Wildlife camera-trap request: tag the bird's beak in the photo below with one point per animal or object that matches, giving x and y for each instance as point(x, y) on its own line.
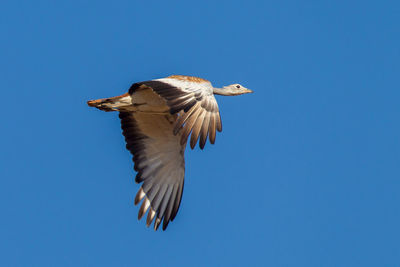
point(248, 91)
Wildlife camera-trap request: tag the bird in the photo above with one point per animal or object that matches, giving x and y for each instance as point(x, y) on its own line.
point(157, 117)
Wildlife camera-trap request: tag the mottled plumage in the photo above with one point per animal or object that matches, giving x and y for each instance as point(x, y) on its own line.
point(157, 119)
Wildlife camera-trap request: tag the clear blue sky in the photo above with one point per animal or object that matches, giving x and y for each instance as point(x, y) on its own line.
point(305, 173)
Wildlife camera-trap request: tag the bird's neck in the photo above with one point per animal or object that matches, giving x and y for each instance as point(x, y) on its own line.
point(223, 91)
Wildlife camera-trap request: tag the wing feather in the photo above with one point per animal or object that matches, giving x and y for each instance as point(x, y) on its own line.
point(171, 201)
point(139, 196)
point(159, 160)
point(196, 128)
point(183, 118)
point(189, 125)
point(150, 217)
point(161, 212)
point(143, 208)
point(218, 122)
point(177, 202)
point(185, 97)
point(211, 129)
point(204, 130)
point(160, 195)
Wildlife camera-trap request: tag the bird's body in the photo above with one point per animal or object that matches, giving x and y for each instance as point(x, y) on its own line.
point(157, 118)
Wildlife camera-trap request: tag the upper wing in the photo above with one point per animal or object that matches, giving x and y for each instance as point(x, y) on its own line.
point(159, 161)
point(193, 102)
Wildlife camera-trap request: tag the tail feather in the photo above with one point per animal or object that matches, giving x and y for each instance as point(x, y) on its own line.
point(116, 103)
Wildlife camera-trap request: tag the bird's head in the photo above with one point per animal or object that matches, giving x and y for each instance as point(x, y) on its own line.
point(236, 89)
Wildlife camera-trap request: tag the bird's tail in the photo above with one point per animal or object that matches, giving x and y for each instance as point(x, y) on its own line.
point(116, 103)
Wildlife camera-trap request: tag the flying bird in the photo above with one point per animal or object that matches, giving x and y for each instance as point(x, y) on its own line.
point(157, 117)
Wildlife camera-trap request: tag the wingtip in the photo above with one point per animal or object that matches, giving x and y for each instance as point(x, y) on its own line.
point(165, 225)
point(157, 224)
point(143, 208)
point(202, 146)
point(150, 217)
point(193, 145)
point(139, 196)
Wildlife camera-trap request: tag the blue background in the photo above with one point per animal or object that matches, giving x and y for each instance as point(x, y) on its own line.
point(305, 173)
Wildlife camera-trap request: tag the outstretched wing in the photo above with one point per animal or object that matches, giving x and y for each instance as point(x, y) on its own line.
point(158, 156)
point(195, 104)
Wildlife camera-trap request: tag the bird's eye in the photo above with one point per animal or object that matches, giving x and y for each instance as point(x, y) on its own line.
point(237, 86)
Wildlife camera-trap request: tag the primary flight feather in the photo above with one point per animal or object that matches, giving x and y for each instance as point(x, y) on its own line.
point(157, 118)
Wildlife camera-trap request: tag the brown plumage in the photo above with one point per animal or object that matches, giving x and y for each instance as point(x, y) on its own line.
point(188, 78)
